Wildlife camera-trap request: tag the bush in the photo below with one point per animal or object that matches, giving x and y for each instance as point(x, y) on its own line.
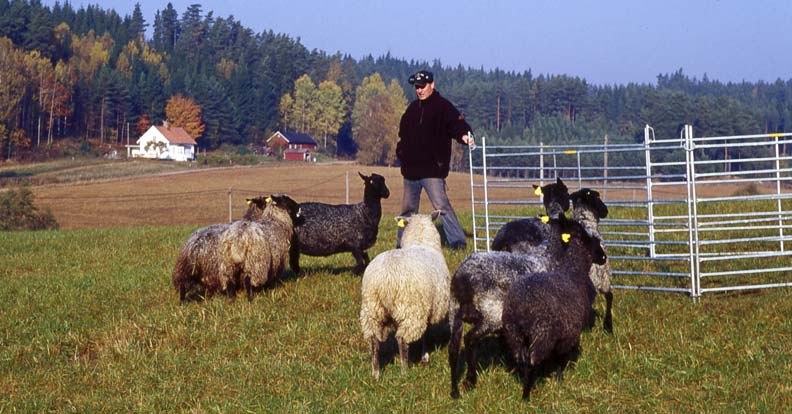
point(17, 212)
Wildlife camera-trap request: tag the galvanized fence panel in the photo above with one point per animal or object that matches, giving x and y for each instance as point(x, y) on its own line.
point(664, 229)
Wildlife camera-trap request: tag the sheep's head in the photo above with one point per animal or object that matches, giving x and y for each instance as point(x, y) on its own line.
point(374, 186)
point(286, 203)
point(588, 199)
point(419, 229)
point(256, 206)
point(555, 197)
point(572, 232)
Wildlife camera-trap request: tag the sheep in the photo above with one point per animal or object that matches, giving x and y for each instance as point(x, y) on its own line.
point(544, 313)
point(588, 209)
point(330, 229)
point(197, 264)
point(479, 287)
point(254, 253)
point(406, 289)
point(524, 235)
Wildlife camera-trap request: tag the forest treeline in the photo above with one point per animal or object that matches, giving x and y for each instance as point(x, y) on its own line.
point(89, 74)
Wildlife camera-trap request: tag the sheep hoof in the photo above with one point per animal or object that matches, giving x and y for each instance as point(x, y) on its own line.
point(455, 394)
point(425, 359)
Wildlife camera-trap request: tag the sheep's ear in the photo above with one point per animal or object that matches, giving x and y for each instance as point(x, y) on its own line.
point(537, 190)
point(545, 219)
point(401, 221)
point(565, 237)
point(248, 201)
point(559, 182)
point(363, 176)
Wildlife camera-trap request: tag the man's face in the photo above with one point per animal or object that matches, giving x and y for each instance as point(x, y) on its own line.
point(424, 92)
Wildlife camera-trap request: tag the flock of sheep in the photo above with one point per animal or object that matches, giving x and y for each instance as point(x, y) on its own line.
point(536, 288)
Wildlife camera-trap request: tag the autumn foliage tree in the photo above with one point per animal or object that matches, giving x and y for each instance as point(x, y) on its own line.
point(184, 112)
point(375, 120)
point(318, 111)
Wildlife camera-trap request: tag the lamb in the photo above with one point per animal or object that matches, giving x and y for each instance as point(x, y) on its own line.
point(588, 209)
point(524, 235)
point(478, 289)
point(330, 229)
point(406, 289)
point(253, 254)
point(545, 312)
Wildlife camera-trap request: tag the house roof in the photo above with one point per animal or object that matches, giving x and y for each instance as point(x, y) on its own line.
point(295, 138)
point(176, 135)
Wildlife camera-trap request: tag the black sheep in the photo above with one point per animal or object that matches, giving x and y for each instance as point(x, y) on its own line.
point(544, 313)
point(329, 229)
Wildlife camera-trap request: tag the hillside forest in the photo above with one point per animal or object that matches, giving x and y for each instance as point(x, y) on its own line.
point(89, 75)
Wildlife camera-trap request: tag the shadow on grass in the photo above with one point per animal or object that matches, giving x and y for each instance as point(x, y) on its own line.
point(437, 337)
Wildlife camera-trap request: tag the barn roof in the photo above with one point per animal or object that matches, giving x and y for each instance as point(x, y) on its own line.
point(295, 138)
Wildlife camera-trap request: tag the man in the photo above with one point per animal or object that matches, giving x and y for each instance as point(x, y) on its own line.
point(426, 130)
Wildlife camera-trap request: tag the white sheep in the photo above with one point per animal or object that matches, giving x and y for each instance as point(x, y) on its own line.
point(406, 289)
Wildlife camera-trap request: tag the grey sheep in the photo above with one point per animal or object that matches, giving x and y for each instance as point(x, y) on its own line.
point(253, 254)
point(406, 289)
point(524, 235)
point(197, 264)
point(588, 209)
point(545, 312)
point(478, 289)
point(329, 229)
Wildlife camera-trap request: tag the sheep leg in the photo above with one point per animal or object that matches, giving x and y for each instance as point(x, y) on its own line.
point(248, 288)
point(375, 367)
point(366, 259)
point(563, 361)
point(294, 258)
point(471, 343)
point(360, 265)
point(424, 351)
point(528, 377)
point(453, 353)
point(607, 323)
point(403, 354)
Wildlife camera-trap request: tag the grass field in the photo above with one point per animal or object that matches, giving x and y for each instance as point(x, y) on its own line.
point(91, 324)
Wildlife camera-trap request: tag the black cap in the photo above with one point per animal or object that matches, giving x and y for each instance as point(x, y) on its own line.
point(421, 78)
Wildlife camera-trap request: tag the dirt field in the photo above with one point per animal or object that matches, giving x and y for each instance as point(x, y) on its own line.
point(202, 197)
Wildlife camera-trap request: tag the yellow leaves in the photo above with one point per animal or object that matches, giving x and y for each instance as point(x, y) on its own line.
point(375, 120)
point(186, 113)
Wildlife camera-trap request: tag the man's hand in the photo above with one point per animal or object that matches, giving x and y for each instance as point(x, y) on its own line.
point(468, 140)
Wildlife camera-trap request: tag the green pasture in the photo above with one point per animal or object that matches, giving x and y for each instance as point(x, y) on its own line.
point(91, 324)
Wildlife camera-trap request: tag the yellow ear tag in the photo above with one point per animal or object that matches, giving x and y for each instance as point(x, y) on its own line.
point(248, 202)
point(538, 191)
point(545, 219)
point(268, 200)
point(565, 237)
point(400, 223)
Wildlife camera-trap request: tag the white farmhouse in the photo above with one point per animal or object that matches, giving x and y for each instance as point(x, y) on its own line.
point(165, 143)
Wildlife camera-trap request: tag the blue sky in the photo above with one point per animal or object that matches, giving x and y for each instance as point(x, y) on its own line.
point(604, 42)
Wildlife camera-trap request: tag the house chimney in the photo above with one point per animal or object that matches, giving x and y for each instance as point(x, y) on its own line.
point(166, 124)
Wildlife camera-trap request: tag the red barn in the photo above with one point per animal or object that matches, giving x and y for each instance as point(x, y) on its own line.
point(296, 147)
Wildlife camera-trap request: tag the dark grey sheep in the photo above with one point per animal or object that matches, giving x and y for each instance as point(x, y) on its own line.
point(330, 229)
point(526, 234)
point(545, 312)
point(478, 289)
point(588, 209)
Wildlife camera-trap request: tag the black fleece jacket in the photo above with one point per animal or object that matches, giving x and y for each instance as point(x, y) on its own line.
point(425, 133)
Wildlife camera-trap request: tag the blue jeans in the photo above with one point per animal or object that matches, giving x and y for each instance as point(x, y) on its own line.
point(436, 191)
